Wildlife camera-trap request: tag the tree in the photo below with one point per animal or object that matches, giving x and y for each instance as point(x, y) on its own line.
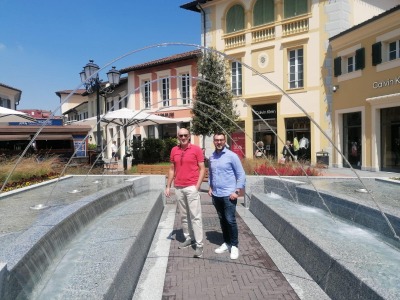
point(213, 109)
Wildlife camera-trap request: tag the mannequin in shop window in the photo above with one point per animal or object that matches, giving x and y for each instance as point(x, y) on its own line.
point(303, 146)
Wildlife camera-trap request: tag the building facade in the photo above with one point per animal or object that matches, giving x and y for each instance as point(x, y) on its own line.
point(9, 96)
point(281, 67)
point(366, 101)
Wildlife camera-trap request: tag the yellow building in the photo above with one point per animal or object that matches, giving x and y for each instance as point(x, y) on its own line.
point(366, 102)
point(280, 65)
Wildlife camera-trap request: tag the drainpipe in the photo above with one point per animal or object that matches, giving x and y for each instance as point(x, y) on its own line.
point(204, 22)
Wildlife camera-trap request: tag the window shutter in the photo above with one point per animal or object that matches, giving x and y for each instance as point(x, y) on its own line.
point(376, 53)
point(360, 59)
point(337, 66)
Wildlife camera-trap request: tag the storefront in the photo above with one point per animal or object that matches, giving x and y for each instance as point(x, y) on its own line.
point(352, 139)
point(390, 139)
point(264, 126)
point(299, 129)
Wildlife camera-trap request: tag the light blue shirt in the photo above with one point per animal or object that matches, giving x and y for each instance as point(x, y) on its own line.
point(225, 173)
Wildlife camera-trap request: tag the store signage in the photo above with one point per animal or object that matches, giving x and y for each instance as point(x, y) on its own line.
point(39, 122)
point(167, 115)
point(264, 112)
point(238, 144)
point(386, 83)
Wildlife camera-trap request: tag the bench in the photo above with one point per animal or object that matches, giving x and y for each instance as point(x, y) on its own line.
point(159, 170)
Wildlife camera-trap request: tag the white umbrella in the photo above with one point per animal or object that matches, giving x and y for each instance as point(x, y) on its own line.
point(9, 115)
point(128, 117)
point(91, 121)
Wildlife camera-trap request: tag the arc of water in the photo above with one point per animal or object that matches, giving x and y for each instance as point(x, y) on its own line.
point(248, 67)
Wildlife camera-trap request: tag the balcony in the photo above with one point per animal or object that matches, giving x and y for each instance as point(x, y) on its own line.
point(263, 33)
point(295, 25)
point(234, 40)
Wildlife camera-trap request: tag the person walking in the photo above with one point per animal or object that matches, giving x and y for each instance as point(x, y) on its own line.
point(187, 172)
point(226, 179)
point(114, 150)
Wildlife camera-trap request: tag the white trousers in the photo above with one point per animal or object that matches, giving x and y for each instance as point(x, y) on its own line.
point(189, 205)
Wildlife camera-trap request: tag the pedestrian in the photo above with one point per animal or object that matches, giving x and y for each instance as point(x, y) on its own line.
point(114, 150)
point(187, 172)
point(226, 179)
point(287, 151)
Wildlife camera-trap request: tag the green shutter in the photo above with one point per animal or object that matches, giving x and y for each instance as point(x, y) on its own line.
point(376, 53)
point(294, 8)
point(264, 12)
point(360, 59)
point(337, 65)
point(235, 19)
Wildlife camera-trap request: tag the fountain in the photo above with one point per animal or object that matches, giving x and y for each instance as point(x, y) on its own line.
point(67, 241)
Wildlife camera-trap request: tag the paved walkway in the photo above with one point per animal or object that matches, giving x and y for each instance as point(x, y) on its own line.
point(264, 269)
point(172, 273)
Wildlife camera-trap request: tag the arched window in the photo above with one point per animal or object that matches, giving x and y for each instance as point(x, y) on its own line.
point(264, 12)
point(235, 19)
point(293, 8)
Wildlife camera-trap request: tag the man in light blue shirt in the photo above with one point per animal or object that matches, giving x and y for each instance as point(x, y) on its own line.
point(226, 179)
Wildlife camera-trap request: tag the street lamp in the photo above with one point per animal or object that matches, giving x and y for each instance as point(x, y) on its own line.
point(90, 77)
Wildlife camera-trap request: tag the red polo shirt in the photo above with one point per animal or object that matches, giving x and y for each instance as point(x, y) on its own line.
point(186, 162)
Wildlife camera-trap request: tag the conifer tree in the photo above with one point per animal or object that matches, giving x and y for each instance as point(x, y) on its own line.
point(213, 101)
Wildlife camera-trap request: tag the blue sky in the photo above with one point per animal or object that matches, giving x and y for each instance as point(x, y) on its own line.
point(44, 44)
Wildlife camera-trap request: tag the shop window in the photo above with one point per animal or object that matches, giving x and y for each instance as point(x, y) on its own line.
point(263, 12)
point(293, 8)
point(296, 68)
point(235, 19)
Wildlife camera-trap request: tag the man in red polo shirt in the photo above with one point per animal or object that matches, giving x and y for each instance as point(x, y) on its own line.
point(187, 171)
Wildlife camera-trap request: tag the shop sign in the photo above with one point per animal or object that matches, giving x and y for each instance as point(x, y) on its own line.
point(79, 145)
point(238, 144)
point(39, 122)
point(386, 83)
point(264, 112)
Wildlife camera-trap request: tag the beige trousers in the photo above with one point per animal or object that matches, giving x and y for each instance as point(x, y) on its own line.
point(189, 205)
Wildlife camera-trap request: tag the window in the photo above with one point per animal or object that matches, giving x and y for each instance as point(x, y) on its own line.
point(5, 102)
point(351, 62)
point(119, 102)
point(165, 91)
point(185, 88)
point(293, 8)
point(296, 71)
point(385, 51)
point(146, 94)
point(151, 132)
point(263, 12)
point(235, 19)
point(236, 78)
point(394, 50)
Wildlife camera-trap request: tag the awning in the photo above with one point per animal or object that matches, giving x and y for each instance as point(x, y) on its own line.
point(15, 137)
point(53, 137)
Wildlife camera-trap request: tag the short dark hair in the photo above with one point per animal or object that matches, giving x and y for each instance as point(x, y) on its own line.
point(220, 133)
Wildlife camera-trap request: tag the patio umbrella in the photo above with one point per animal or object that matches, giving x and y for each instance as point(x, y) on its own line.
point(91, 121)
point(10, 115)
point(128, 117)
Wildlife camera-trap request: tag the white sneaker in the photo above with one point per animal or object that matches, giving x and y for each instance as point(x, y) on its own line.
point(234, 252)
point(221, 249)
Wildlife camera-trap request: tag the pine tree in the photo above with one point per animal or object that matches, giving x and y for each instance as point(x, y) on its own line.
point(213, 109)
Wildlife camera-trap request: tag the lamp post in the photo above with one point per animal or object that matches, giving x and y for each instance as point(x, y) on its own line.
point(90, 77)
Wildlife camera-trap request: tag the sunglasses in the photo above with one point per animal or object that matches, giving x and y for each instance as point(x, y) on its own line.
point(183, 135)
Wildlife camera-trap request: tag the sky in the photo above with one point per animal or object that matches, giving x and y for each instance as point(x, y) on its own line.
point(44, 44)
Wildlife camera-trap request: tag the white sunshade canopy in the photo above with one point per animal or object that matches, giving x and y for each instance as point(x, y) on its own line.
point(128, 117)
point(10, 115)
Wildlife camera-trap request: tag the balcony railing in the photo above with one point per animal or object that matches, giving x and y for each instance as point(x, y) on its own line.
point(295, 25)
point(234, 40)
point(264, 33)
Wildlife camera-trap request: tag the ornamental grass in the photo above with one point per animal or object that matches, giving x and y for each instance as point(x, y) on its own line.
point(270, 167)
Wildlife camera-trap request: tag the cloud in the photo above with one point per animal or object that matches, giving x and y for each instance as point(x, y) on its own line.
point(2, 46)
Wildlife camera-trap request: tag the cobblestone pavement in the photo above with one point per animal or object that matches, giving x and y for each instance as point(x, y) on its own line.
point(215, 276)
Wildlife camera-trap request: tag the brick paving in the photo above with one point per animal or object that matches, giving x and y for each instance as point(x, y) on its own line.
point(215, 276)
